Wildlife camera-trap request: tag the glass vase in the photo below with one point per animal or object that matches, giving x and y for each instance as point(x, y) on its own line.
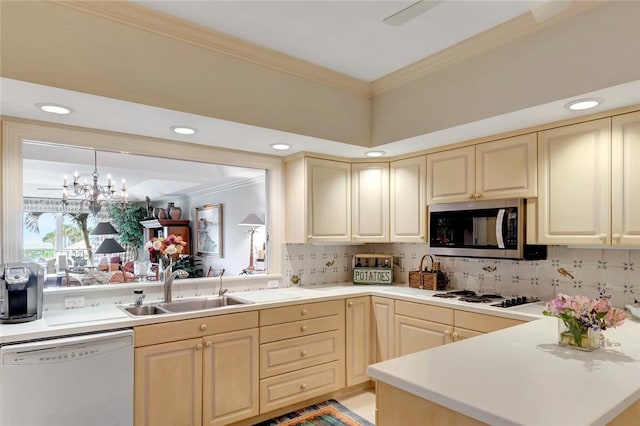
point(573, 336)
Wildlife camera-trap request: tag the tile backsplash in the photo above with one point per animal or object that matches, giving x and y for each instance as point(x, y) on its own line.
point(617, 271)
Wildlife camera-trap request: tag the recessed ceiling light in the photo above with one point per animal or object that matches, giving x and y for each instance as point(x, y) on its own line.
point(582, 104)
point(280, 146)
point(374, 153)
point(183, 130)
point(55, 108)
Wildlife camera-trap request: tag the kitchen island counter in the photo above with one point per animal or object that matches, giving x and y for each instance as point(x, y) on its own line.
point(520, 375)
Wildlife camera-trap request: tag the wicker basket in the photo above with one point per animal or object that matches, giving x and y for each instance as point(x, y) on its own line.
point(425, 278)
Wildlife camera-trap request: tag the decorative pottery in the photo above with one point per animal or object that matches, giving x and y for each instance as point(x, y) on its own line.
point(583, 339)
point(162, 213)
point(175, 213)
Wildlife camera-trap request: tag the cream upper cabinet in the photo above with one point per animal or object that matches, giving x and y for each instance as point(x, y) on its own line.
point(407, 200)
point(505, 168)
point(317, 200)
point(574, 203)
point(625, 185)
point(370, 202)
point(451, 175)
point(358, 339)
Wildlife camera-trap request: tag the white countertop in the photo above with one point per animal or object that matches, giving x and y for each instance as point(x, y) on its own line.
point(101, 318)
point(520, 376)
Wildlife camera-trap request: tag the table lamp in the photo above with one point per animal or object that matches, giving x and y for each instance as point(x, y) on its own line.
point(253, 221)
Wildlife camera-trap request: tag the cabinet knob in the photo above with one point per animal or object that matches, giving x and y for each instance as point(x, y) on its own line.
point(199, 346)
point(447, 333)
point(602, 236)
point(303, 328)
point(203, 327)
point(303, 386)
point(455, 335)
point(616, 236)
point(472, 195)
point(303, 312)
point(350, 304)
point(208, 344)
point(303, 353)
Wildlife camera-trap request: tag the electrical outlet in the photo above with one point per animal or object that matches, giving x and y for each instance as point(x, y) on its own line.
point(272, 284)
point(71, 302)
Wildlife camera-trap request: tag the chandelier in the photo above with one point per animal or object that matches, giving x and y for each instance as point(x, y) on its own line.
point(94, 196)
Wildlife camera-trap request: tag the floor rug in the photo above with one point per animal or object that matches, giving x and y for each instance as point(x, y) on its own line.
point(328, 413)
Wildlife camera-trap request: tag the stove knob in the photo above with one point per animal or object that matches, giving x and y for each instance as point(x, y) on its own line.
point(519, 300)
point(514, 301)
point(504, 304)
point(507, 303)
point(524, 299)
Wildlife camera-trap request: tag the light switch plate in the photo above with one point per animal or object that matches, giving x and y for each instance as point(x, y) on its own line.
point(71, 302)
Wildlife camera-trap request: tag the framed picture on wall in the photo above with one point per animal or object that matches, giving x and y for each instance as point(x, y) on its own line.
point(209, 230)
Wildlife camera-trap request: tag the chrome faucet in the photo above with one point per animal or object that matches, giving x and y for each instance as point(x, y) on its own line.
point(138, 295)
point(168, 282)
point(222, 291)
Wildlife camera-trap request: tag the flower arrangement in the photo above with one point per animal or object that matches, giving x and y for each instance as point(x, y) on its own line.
point(168, 247)
point(581, 314)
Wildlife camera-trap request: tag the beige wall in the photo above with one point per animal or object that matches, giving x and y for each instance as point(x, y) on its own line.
point(597, 49)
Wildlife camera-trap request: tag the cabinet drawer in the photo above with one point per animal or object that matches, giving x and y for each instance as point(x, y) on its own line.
point(293, 354)
point(425, 312)
point(299, 312)
point(187, 329)
point(290, 388)
point(272, 333)
point(482, 322)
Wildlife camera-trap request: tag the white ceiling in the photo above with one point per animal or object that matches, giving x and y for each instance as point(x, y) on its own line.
point(347, 36)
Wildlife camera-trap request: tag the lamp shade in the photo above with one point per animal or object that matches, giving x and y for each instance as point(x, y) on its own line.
point(252, 220)
point(104, 228)
point(108, 246)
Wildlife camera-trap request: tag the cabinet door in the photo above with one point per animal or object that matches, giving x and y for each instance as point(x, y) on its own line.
point(625, 194)
point(230, 372)
point(383, 341)
point(451, 175)
point(328, 200)
point(407, 199)
point(168, 384)
point(507, 168)
point(358, 334)
point(414, 335)
point(370, 202)
point(463, 333)
point(574, 200)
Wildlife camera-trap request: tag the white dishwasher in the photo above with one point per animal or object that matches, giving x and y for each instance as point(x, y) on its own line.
point(71, 381)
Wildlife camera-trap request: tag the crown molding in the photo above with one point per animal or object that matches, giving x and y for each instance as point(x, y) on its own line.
point(150, 20)
point(504, 33)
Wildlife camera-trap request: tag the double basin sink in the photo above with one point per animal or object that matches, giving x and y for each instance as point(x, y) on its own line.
point(189, 305)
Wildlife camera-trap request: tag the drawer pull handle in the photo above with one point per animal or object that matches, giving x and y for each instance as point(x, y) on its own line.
point(203, 327)
point(350, 304)
point(208, 344)
point(303, 386)
point(199, 346)
point(303, 312)
point(303, 328)
point(303, 353)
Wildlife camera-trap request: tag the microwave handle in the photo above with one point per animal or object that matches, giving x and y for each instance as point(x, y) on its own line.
point(499, 222)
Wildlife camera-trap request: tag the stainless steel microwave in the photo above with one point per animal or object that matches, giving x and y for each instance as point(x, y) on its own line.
point(494, 229)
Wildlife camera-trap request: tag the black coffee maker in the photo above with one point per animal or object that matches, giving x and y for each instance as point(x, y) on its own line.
point(21, 287)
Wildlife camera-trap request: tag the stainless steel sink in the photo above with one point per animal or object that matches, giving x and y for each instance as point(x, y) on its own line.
point(144, 310)
point(200, 304)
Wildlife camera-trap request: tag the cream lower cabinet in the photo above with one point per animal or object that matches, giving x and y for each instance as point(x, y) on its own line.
point(358, 339)
point(383, 334)
point(471, 324)
point(505, 168)
point(301, 352)
point(419, 327)
point(183, 379)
